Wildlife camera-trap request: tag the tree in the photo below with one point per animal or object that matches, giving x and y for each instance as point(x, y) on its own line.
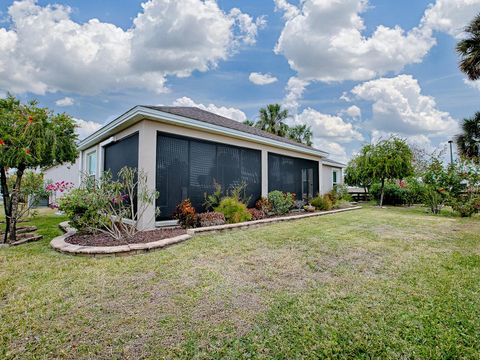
point(301, 133)
point(390, 159)
point(30, 137)
point(469, 50)
point(249, 122)
point(359, 170)
point(468, 143)
point(272, 120)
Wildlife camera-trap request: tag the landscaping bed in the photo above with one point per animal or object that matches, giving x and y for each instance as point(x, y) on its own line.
point(142, 237)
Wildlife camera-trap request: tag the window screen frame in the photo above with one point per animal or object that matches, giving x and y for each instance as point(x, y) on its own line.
point(89, 156)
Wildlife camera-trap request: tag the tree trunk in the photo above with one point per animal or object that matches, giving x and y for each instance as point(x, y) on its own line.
point(381, 192)
point(14, 205)
point(6, 202)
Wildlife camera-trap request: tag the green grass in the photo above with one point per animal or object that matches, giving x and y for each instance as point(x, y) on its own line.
point(382, 283)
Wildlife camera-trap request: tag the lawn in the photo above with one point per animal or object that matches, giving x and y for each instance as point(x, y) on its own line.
point(389, 283)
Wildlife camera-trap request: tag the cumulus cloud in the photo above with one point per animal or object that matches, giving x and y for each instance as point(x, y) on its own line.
point(473, 84)
point(450, 16)
point(295, 89)
point(399, 106)
point(228, 112)
point(66, 101)
point(334, 149)
point(44, 50)
point(262, 79)
point(85, 128)
point(328, 126)
point(325, 41)
point(353, 111)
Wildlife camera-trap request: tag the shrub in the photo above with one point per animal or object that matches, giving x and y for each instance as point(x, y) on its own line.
point(281, 202)
point(322, 202)
point(185, 214)
point(466, 206)
point(211, 218)
point(234, 210)
point(101, 205)
point(211, 201)
point(256, 214)
point(83, 207)
point(263, 205)
point(393, 193)
point(340, 192)
point(342, 204)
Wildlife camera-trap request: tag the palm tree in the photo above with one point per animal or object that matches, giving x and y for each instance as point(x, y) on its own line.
point(301, 133)
point(272, 119)
point(248, 122)
point(469, 50)
point(468, 142)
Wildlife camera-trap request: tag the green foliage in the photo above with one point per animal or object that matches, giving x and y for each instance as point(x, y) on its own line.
point(301, 134)
point(213, 200)
point(467, 202)
point(100, 205)
point(359, 170)
point(468, 142)
point(466, 206)
point(393, 193)
point(340, 192)
point(322, 202)
point(30, 137)
point(469, 50)
point(239, 192)
point(185, 214)
point(234, 210)
point(280, 202)
point(272, 120)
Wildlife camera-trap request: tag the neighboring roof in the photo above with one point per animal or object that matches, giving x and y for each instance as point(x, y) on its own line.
point(211, 118)
point(195, 118)
point(333, 163)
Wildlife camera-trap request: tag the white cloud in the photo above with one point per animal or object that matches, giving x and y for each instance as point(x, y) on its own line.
point(289, 10)
point(261, 79)
point(66, 101)
point(450, 16)
point(334, 149)
point(85, 128)
point(228, 112)
point(328, 126)
point(44, 50)
point(399, 106)
point(472, 84)
point(353, 111)
point(295, 89)
point(325, 41)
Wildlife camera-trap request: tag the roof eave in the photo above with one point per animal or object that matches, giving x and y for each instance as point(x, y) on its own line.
point(138, 113)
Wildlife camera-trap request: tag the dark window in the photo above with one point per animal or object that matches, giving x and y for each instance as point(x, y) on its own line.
point(293, 175)
point(121, 153)
point(188, 168)
point(334, 177)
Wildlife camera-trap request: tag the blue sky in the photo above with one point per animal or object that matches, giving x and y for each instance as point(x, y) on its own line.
point(357, 70)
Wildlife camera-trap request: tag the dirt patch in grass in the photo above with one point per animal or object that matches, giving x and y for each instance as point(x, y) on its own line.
point(100, 239)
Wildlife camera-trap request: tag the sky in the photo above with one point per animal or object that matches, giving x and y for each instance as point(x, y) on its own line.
point(355, 71)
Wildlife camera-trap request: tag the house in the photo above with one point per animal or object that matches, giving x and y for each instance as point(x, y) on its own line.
point(186, 150)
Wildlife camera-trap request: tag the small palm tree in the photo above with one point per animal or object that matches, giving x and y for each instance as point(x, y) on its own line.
point(301, 133)
point(272, 119)
point(468, 142)
point(469, 50)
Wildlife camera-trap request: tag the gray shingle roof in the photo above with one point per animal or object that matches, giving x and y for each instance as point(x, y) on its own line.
point(214, 119)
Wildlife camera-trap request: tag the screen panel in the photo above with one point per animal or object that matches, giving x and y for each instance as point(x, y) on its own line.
point(198, 165)
point(293, 175)
point(121, 153)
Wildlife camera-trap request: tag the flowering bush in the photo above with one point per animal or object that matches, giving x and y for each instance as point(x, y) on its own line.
point(322, 202)
point(211, 218)
point(256, 214)
point(185, 214)
point(104, 205)
point(53, 188)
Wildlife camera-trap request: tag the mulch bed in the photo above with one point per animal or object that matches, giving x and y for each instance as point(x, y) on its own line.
point(141, 237)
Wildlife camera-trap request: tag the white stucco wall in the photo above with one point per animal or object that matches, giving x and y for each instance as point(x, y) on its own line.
point(67, 172)
point(327, 177)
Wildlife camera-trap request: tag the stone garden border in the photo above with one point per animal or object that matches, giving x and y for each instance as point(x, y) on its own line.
point(59, 244)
